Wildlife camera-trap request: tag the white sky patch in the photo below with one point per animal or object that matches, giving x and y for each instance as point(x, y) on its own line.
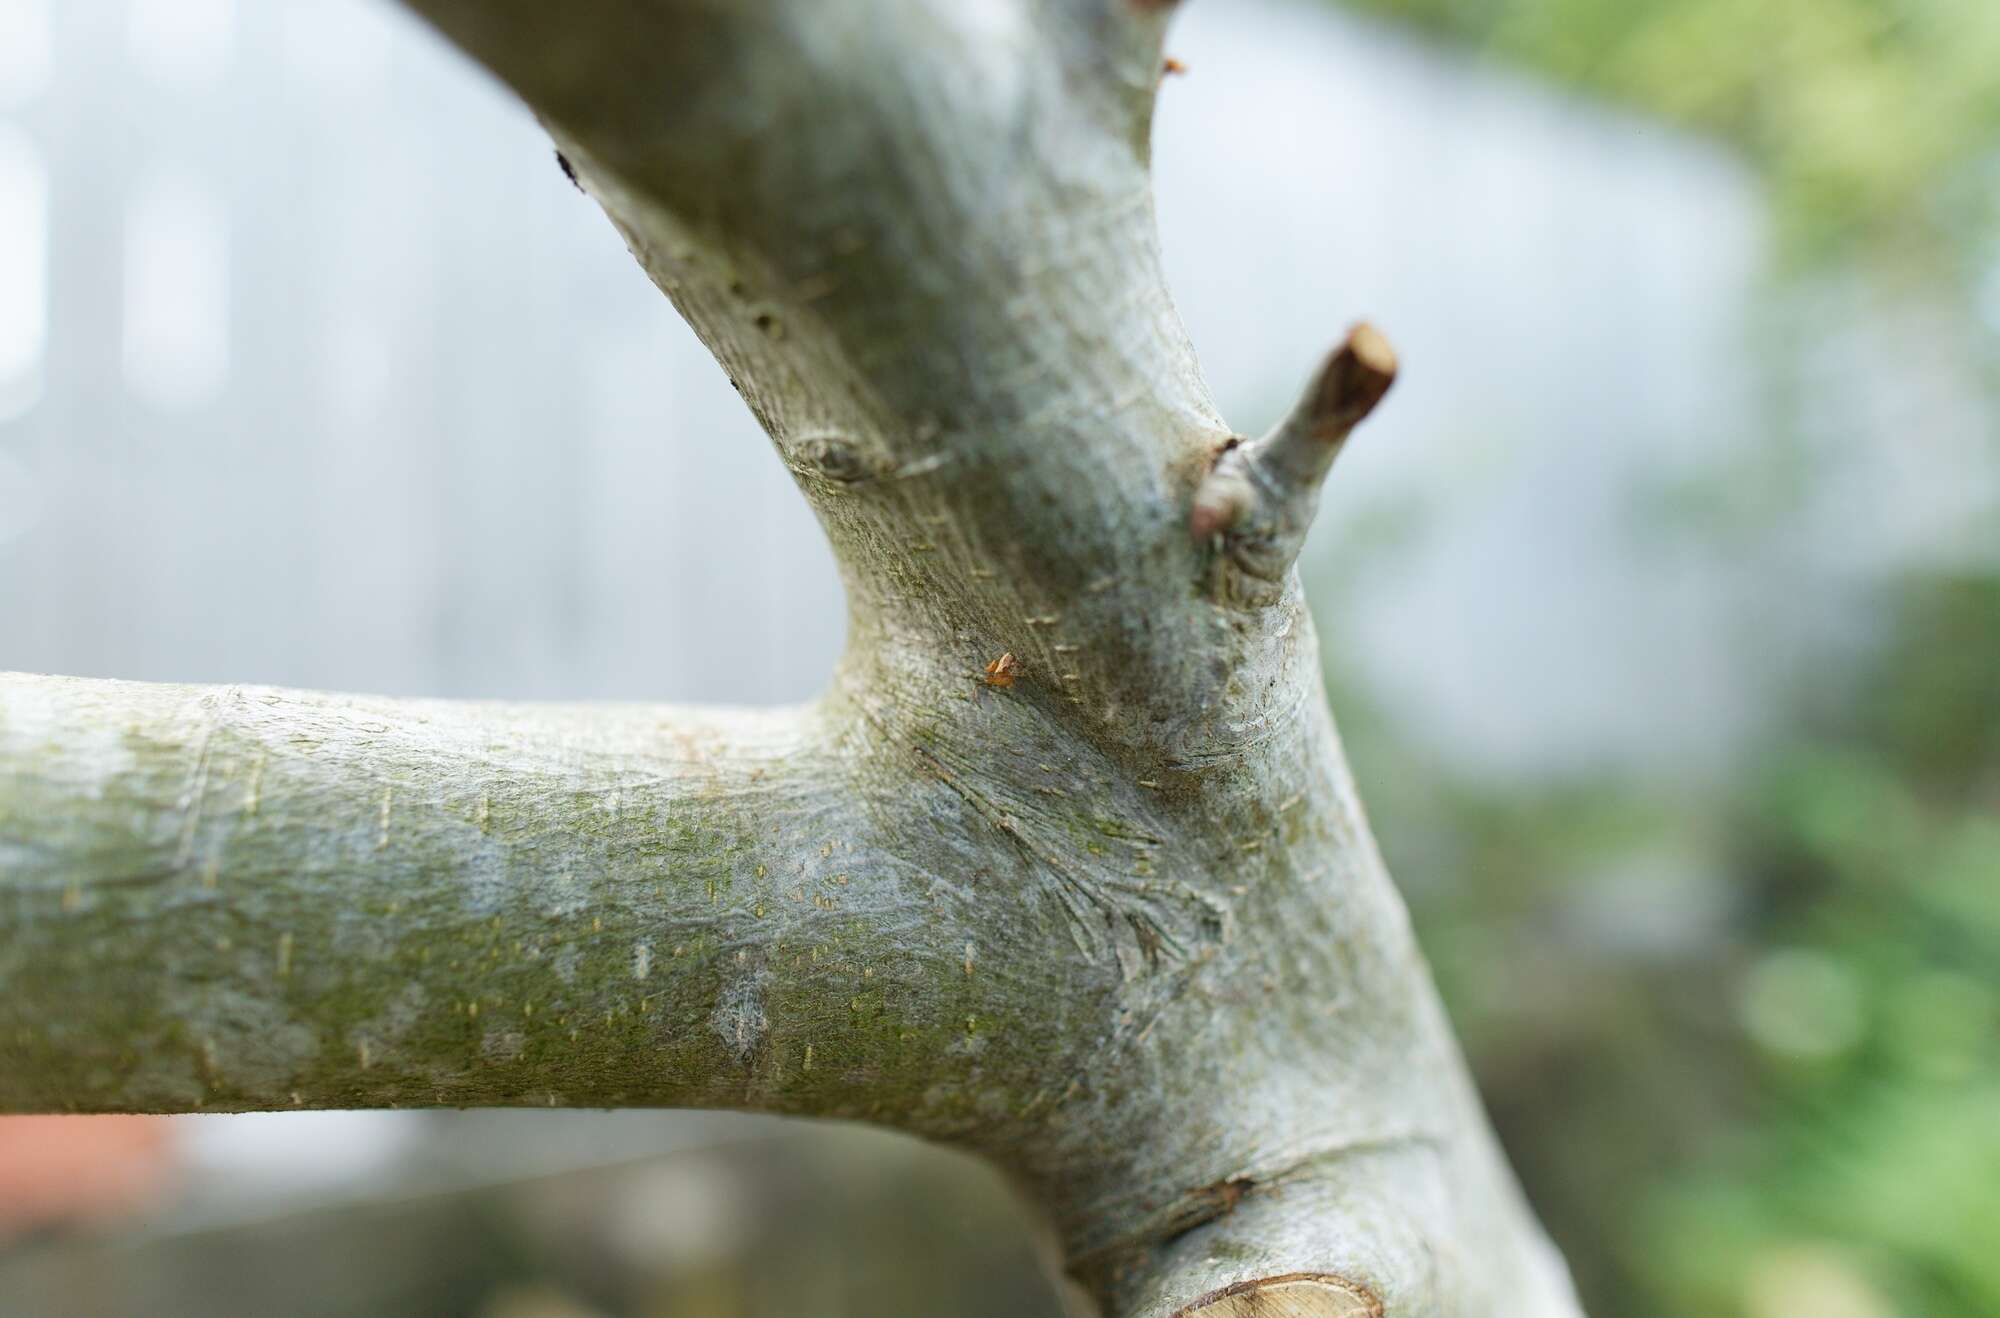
point(176, 321)
point(24, 270)
point(184, 45)
point(338, 48)
point(276, 1155)
point(20, 499)
point(25, 54)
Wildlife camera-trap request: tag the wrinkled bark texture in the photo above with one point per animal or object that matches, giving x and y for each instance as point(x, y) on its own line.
point(1117, 924)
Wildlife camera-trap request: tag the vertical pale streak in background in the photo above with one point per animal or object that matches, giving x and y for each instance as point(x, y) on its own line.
point(176, 331)
point(1989, 290)
point(24, 270)
point(24, 51)
point(184, 45)
point(20, 499)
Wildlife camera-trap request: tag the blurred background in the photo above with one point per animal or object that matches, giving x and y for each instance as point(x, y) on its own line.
point(1661, 606)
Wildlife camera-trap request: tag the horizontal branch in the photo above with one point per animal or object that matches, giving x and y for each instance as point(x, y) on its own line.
point(237, 898)
point(250, 898)
point(226, 898)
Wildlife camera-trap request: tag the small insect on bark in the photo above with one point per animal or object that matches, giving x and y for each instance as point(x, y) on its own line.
point(1002, 671)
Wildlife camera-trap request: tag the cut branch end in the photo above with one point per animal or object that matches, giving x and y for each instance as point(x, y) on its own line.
point(1355, 378)
point(1260, 498)
point(1301, 1295)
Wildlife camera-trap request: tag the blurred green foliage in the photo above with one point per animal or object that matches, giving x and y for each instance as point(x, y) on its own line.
point(1874, 120)
point(1745, 1045)
point(1869, 838)
point(1743, 1038)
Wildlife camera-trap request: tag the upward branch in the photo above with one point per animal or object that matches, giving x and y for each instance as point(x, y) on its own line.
point(1258, 503)
point(1066, 867)
point(919, 237)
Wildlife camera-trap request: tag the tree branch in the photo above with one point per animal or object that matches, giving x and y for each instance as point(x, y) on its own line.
point(1258, 503)
point(919, 237)
point(1065, 869)
point(237, 898)
point(222, 898)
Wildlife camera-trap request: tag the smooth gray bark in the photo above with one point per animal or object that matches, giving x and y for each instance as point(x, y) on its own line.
point(1108, 914)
